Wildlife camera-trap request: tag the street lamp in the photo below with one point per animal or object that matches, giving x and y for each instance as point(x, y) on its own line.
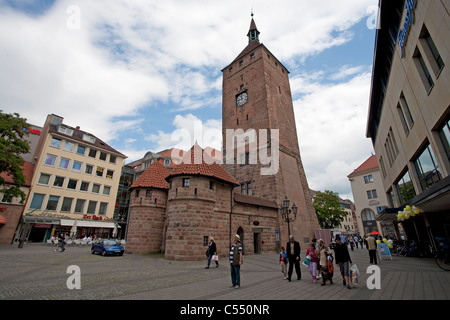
point(285, 211)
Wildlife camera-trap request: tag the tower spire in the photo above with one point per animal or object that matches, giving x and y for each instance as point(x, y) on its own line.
point(253, 33)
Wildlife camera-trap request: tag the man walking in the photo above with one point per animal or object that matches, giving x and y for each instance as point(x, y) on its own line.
point(293, 251)
point(343, 260)
point(61, 242)
point(372, 247)
point(236, 261)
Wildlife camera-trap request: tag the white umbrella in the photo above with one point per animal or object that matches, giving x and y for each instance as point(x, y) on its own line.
point(114, 234)
point(73, 231)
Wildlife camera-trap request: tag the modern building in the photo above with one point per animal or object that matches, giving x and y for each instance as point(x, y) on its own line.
point(177, 209)
point(74, 186)
point(409, 115)
point(370, 197)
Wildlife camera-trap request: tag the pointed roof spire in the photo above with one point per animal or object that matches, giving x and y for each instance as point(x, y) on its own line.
point(253, 33)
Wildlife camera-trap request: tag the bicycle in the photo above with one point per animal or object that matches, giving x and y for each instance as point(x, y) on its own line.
point(442, 258)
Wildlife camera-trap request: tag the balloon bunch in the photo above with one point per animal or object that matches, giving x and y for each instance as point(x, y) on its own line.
point(389, 242)
point(407, 213)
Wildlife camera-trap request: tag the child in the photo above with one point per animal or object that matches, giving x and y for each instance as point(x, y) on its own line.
point(311, 252)
point(283, 262)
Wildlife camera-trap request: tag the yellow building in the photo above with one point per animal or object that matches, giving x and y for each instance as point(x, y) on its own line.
point(76, 178)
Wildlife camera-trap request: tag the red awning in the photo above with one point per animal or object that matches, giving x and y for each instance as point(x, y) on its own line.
point(2, 220)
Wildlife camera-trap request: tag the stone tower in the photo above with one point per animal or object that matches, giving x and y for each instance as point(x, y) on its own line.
point(257, 101)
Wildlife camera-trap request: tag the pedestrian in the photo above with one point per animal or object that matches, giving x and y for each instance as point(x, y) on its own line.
point(356, 239)
point(283, 260)
point(61, 241)
point(351, 242)
point(236, 261)
point(372, 247)
point(311, 252)
point(212, 251)
point(323, 253)
point(361, 241)
point(343, 238)
point(343, 259)
point(293, 251)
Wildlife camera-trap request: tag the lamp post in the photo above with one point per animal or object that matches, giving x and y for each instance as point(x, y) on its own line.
point(286, 211)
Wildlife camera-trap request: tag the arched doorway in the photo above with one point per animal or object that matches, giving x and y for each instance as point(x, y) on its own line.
point(368, 220)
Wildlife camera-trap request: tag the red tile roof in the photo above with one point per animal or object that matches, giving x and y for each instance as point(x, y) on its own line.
point(244, 198)
point(197, 162)
point(367, 165)
point(153, 177)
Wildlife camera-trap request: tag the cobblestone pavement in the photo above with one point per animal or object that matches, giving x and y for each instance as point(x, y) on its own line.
point(37, 272)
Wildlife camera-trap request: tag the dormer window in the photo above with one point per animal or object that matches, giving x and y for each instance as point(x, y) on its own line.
point(65, 130)
point(88, 138)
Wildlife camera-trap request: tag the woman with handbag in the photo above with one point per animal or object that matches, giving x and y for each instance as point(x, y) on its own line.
point(212, 251)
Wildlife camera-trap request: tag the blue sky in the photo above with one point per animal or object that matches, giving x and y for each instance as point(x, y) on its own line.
point(135, 72)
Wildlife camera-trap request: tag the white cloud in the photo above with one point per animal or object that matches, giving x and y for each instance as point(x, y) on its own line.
point(331, 129)
point(128, 55)
point(189, 130)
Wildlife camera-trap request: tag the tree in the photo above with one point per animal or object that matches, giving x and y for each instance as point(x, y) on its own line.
point(329, 212)
point(13, 129)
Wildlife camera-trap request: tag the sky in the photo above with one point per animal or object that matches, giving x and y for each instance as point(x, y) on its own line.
point(137, 72)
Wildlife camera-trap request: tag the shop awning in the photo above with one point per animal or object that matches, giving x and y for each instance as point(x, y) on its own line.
point(388, 215)
point(2, 220)
point(40, 220)
point(88, 224)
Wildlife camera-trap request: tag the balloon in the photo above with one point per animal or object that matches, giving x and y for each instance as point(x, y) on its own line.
point(390, 241)
point(416, 210)
point(378, 241)
point(408, 209)
point(390, 246)
point(385, 240)
point(407, 216)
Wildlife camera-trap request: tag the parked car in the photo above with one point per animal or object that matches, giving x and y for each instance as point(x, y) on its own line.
point(107, 247)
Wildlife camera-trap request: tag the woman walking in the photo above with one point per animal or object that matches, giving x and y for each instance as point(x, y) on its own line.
point(323, 253)
point(212, 251)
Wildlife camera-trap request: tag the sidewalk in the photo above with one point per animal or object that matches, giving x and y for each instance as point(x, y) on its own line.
point(38, 272)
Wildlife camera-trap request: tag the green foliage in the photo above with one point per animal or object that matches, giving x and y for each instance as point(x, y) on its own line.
point(329, 213)
point(13, 129)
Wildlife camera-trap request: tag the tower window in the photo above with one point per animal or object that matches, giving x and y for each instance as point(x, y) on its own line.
point(186, 182)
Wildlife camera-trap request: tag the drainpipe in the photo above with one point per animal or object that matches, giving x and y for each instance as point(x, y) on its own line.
point(231, 211)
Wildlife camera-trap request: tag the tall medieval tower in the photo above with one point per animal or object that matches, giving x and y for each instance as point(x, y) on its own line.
point(257, 101)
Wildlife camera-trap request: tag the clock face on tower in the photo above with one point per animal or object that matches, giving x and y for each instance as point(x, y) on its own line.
point(241, 99)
